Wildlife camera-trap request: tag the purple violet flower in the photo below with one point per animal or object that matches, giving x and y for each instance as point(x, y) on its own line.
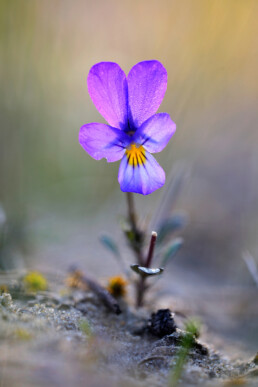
point(134, 132)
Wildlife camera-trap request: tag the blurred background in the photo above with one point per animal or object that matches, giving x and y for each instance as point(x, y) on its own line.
point(55, 199)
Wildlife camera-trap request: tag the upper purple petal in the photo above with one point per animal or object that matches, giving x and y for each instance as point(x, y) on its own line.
point(107, 87)
point(147, 84)
point(143, 179)
point(155, 133)
point(101, 140)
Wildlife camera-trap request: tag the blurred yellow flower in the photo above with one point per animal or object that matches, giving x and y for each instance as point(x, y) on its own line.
point(117, 286)
point(35, 282)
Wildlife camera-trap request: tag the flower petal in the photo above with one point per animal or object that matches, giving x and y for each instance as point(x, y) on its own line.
point(101, 140)
point(143, 178)
point(107, 87)
point(147, 84)
point(155, 133)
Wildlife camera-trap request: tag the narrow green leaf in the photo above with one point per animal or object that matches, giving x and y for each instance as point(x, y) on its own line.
point(170, 225)
point(171, 251)
point(110, 244)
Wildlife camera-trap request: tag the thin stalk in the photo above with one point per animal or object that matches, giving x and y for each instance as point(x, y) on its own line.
point(151, 248)
point(140, 291)
point(141, 284)
point(131, 211)
point(137, 245)
point(137, 234)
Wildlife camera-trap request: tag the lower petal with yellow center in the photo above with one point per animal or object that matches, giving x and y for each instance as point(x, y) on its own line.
point(135, 155)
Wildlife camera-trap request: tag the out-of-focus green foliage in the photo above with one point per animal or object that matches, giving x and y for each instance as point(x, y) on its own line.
point(35, 282)
point(110, 244)
point(85, 327)
point(171, 250)
point(171, 225)
point(193, 326)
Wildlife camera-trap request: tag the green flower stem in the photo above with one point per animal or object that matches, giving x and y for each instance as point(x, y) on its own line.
point(136, 242)
point(140, 291)
point(131, 211)
point(136, 245)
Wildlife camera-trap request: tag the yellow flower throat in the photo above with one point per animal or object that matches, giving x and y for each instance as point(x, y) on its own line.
point(135, 155)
